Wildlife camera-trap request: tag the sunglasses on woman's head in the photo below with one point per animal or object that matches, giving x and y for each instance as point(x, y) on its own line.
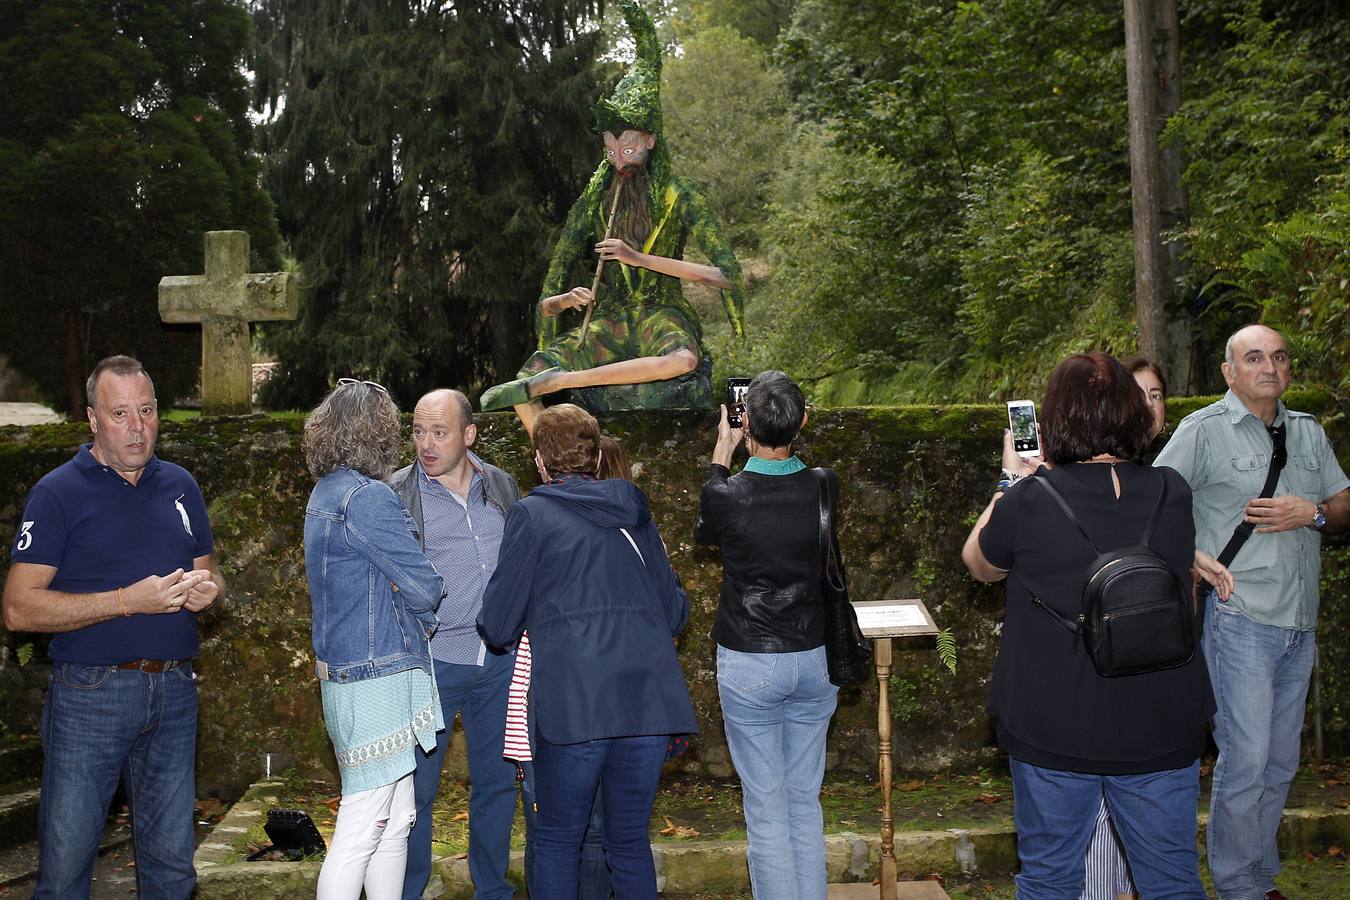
point(343, 382)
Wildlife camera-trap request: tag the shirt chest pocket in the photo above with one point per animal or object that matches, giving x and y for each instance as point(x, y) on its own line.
point(1304, 475)
point(1249, 472)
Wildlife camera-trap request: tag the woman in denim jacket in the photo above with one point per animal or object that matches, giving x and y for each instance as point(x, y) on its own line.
point(373, 594)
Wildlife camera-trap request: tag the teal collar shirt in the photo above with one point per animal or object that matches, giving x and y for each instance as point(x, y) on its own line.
point(774, 466)
point(1224, 451)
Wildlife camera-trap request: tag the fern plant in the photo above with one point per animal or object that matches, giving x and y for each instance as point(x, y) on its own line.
point(946, 648)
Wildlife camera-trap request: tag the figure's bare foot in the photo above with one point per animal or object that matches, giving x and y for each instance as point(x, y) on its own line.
point(528, 412)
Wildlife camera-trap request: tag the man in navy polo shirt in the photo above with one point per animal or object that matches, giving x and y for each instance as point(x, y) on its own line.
point(114, 557)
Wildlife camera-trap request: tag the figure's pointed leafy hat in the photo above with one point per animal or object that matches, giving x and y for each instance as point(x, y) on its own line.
point(636, 102)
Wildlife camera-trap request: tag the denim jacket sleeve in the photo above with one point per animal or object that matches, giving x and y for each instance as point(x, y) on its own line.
point(507, 598)
point(378, 528)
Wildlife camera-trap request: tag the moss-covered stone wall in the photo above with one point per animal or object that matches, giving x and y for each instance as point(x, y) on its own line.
point(914, 478)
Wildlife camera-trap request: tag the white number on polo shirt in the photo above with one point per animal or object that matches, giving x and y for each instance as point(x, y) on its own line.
point(25, 537)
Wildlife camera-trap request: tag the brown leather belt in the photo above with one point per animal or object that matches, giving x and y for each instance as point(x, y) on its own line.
point(152, 665)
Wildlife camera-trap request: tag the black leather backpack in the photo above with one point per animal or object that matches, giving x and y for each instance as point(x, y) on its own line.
point(1135, 614)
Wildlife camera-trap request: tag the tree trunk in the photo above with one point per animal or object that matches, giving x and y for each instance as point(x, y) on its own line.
point(1178, 358)
point(1150, 287)
point(75, 376)
point(512, 339)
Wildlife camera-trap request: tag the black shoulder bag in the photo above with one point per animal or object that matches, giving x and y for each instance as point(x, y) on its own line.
point(847, 652)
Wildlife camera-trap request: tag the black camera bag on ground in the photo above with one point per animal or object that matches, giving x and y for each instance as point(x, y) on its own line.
point(1136, 613)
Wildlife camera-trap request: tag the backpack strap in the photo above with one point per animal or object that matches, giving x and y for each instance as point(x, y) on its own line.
point(1157, 513)
point(1055, 495)
point(1064, 622)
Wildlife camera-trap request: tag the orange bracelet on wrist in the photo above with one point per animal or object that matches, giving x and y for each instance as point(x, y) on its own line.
point(121, 604)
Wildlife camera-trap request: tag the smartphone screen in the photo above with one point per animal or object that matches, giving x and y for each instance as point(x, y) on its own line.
point(736, 388)
point(1022, 422)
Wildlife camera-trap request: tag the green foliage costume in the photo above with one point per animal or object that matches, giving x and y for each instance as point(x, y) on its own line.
point(638, 312)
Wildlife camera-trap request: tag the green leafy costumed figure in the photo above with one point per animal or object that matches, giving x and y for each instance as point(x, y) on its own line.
point(642, 329)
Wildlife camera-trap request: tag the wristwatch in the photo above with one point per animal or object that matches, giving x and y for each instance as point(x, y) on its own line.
point(1319, 518)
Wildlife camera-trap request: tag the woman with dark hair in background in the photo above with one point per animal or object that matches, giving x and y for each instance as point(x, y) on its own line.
point(373, 595)
point(613, 460)
point(1154, 385)
point(772, 679)
point(590, 581)
point(1072, 735)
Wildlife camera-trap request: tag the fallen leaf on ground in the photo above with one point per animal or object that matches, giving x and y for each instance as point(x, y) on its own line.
point(989, 798)
point(679, 831)
point(909, 786)
point(461, 817)
point(1336, 851)
point(333, 803)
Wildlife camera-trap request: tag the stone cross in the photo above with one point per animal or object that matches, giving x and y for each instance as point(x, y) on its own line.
point(224, 301)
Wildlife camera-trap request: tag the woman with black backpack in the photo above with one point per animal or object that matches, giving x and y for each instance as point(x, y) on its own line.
point(1075, 726)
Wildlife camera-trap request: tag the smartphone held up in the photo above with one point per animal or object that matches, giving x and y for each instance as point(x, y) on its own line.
point(1022, 424)
point(736, 387)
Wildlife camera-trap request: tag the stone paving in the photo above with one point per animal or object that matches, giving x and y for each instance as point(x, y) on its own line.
point(696, 867)
point(28, 414)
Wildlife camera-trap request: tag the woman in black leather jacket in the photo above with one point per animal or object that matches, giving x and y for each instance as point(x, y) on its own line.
point(772, 680)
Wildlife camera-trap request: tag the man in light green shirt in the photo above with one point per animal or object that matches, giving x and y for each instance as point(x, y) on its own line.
point(1261, 618)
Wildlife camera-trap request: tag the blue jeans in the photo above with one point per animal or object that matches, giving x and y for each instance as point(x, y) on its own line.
point(99, 723)
point(1260, 675)
point(594, 882)
point(1055, 814)
point(776, 708)
point(629, 769)
point(478, 694)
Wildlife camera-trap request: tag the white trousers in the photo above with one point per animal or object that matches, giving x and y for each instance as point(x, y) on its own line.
point(370, 844)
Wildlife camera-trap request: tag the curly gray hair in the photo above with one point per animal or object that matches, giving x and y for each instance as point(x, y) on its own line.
point(355, 427)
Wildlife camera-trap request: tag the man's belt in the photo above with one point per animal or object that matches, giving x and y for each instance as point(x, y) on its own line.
point(153, 665)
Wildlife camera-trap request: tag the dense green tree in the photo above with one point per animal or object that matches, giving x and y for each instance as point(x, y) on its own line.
point(953, 215)
point(422, 160)
point(123, 137)
point(1268, 182)
point(759, 20)
point(977, 163)
point(727, 126)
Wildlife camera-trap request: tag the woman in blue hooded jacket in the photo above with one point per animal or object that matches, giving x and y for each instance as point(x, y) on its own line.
point(584, 570)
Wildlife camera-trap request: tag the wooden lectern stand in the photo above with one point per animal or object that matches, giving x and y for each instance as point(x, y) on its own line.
point(883, 621)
